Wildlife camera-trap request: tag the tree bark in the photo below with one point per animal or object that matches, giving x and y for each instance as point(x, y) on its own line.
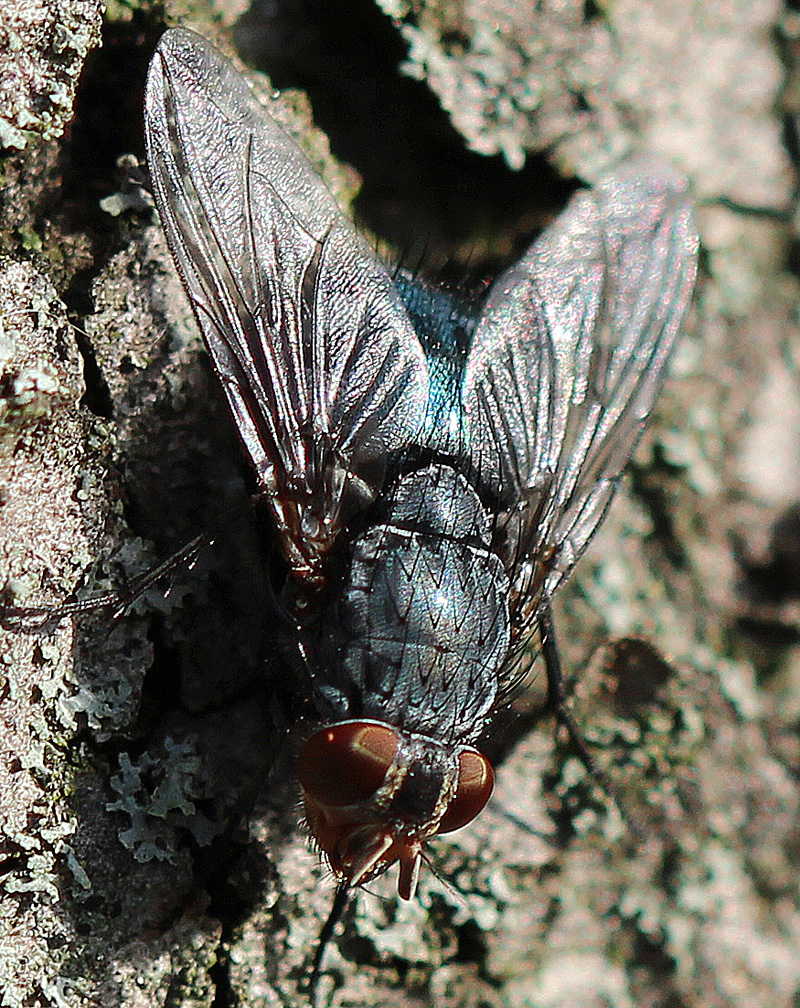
point(130, 745)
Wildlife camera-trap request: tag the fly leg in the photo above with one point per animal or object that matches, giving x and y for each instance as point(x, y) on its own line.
point(26, 619)
point(343, 896)
point(558, 701)
point(556, 696)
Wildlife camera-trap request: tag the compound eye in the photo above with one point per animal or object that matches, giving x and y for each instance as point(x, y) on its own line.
point(474, 787)
point(346, 763)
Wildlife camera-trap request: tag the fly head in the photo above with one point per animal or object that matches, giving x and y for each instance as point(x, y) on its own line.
point(374, 795)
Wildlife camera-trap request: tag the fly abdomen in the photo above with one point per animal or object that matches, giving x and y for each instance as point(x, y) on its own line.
point(424, 614)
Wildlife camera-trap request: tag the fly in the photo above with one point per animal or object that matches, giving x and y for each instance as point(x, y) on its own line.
point(433, 475)
point(474, 455)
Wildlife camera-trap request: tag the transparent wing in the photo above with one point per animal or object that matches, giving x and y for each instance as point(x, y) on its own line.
point(568, 357)
point(320, 365)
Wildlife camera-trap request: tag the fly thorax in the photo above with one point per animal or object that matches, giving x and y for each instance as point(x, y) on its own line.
point(425, 611)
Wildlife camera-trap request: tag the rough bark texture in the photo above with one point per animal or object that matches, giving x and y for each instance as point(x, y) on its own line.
point(128, 746)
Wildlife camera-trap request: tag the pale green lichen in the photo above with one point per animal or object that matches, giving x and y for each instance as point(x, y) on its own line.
point(157, 792)
point(33, 384)
point(44, 46)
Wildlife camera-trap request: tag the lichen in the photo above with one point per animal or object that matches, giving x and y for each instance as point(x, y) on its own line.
point(44, 45)
point(587, 88)
point(157, 793)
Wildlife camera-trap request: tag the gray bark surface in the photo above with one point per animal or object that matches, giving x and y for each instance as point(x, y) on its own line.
point(132, 750)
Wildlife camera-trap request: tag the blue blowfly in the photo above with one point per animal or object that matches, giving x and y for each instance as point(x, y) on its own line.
point(433, 474)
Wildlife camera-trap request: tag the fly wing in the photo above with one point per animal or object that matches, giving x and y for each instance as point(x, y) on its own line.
point(568, 357)
point(318, 360)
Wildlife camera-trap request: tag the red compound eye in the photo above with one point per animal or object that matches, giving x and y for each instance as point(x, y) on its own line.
point(346, 763)
point(474, 787)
